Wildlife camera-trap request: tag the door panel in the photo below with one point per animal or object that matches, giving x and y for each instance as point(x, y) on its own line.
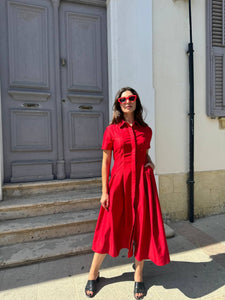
point(85, 122)
point(84, 51)
point(28, 90)
point(28, 63)
point(84, 87)
point(31, 130)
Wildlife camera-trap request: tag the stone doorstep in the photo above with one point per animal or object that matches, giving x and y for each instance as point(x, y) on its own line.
point(35, 251)
point(15, 190)
point(46, 222)
point(48, 204)
point(27, 253)
point(49, 226)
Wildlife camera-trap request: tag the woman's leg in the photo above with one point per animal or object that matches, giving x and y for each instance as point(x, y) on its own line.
point(96, 263)
point(138, 275)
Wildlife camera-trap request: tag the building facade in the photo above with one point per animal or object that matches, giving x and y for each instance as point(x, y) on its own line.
point(171, 84)
point(62, 63)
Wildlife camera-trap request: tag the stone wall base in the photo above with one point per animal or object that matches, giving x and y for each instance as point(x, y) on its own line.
point(209, 194)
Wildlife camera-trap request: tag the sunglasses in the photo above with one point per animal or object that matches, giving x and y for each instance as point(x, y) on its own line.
point(131, 98)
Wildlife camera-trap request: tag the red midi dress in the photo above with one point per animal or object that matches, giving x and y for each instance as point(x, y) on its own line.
point(134, 218)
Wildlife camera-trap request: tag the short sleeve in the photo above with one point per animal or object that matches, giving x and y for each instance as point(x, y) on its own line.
point(149, 137)
point(107, 143)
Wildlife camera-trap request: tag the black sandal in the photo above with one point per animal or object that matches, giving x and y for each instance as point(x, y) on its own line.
point(91, 286)
point(139, 288)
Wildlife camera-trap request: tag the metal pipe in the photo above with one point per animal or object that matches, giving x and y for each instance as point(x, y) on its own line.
point(191, 114)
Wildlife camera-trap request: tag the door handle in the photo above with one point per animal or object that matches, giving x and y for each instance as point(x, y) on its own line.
point(63, 62)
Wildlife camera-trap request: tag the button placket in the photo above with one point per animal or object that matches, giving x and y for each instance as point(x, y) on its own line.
point(133, 183)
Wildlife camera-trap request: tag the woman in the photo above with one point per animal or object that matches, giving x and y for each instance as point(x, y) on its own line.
point(130, 215)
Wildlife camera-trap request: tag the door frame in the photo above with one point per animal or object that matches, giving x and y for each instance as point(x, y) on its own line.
point(60, 164)
point(112, 10)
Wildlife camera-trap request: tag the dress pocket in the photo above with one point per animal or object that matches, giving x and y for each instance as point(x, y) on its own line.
point(147, 168)
point(111, 180)
point(148, 171)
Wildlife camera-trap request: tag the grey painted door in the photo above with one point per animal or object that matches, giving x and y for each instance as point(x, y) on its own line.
point(84, 86)
point(54, 88)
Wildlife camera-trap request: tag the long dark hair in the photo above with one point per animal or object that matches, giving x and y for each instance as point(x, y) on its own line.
point(117, 112)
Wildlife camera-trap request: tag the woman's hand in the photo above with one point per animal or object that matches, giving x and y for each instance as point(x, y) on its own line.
point(105, 201)
point(150, 164)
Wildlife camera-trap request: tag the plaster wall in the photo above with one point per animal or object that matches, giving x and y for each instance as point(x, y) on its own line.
point(130, 53)
point(170, 80)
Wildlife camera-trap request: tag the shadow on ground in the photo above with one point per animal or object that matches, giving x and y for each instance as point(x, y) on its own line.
point(194, 280)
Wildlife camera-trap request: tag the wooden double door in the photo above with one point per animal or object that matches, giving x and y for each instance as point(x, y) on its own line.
point(54, 88)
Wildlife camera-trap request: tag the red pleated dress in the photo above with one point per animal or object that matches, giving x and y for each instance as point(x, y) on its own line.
point(134, 219)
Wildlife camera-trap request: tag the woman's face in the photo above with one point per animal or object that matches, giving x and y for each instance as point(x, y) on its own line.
point(127, 107)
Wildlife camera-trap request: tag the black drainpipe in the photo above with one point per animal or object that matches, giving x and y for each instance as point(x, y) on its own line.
point(191, 114)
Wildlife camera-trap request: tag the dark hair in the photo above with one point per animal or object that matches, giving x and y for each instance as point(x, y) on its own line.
point(117, 112)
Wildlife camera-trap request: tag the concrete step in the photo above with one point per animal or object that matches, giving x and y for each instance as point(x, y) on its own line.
point(46, 204)
point(35, 251)
point(46, 227)
point(17, 190)
point(26, 253)
point(48, 220)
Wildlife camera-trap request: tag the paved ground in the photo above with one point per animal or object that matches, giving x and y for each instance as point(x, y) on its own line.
point(196, 271)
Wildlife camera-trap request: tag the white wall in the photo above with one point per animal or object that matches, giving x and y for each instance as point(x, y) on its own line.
point(170, 80)
point(130, 53)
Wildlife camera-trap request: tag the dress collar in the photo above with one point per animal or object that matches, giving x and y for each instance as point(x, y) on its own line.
point(124, 123)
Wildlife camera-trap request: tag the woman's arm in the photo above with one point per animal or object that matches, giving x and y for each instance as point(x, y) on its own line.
point(106, 162)
point(149, 161)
